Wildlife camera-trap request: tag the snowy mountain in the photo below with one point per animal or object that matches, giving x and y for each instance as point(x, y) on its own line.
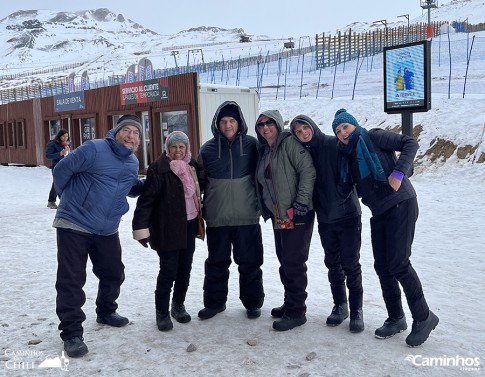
point(35, 39)
point(101, 41)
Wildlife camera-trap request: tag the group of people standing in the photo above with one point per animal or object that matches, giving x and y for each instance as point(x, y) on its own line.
point(287, 176)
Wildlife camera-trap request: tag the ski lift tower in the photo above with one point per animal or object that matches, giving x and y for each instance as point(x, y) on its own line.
point(428, 4)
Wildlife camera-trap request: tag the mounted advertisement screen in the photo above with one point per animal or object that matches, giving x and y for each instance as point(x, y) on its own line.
point(407, 77)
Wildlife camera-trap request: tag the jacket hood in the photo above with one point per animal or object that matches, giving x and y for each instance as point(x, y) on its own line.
point(317, 133)
point(276, 116)
point(243, 128)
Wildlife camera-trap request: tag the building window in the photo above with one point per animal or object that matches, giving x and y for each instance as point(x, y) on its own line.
point(88, 129)
point(21, 142)
point(11, 134)
point(3, 143)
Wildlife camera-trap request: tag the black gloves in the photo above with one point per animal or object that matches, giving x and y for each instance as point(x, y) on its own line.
point(300, 209)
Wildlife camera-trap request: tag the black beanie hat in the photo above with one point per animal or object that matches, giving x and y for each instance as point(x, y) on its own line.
point(229, 111)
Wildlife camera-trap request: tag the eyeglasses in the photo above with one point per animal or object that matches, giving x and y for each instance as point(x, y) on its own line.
point(268, 123)
point(128, 131)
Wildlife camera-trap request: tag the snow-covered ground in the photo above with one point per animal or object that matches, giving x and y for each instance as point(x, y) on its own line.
point(447, 256)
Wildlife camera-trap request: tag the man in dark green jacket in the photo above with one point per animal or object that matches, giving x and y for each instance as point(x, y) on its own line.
point(230, 209)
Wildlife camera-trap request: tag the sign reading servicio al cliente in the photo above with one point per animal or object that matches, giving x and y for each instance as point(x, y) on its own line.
point(144, 91)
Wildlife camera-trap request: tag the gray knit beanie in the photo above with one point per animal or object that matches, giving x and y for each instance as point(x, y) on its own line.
point(128, 120)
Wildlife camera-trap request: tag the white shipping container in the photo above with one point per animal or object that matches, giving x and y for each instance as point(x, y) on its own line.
point(212, 96)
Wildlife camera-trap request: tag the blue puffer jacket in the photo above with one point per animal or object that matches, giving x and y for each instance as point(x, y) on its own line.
point(93, 182)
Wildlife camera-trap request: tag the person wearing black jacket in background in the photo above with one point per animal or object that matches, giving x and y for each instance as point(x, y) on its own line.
point(55, 150)
point(339, 224)
point(370, 163)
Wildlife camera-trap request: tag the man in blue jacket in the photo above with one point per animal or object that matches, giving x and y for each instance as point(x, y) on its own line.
point(93, 183)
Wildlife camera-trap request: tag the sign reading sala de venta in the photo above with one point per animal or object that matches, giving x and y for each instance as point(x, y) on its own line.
point(144, 91)
point(69, 101)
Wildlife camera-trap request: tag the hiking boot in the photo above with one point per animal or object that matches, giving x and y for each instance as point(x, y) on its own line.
point(253, 313)
point(279, 311)
point(112, 319)
point(421, 330)
point(52, 205)
point(288, 323)
point(75, 347)
point(391, 327)
point(164, 323)
point(179, 313)
point(339, 313)
point(356, 321)
point(207, 313)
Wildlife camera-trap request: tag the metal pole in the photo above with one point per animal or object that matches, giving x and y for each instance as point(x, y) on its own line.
point(407, 123)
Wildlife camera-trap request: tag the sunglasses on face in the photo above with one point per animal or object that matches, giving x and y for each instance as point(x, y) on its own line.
point(268, 123)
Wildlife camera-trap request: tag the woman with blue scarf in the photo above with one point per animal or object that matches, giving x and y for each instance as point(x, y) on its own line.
point(368, 160)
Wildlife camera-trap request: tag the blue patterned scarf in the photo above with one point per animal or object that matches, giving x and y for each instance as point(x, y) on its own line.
point(367, 158)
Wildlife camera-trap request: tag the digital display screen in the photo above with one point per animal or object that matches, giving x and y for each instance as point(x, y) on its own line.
point(407, 77)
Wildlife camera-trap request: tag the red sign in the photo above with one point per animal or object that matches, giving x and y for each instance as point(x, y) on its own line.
point(144, 91)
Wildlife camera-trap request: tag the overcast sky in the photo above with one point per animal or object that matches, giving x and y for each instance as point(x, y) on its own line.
point(275, 18)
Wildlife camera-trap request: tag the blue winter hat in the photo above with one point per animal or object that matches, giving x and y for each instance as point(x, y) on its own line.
point(342, 116)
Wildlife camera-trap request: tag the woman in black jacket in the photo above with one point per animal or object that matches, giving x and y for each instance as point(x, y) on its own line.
point(55, 150)
point(369, 162)
point(166, 219)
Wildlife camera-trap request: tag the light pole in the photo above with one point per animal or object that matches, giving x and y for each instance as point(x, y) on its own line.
point(407, 32)
point(428, 4)
point(384, 22)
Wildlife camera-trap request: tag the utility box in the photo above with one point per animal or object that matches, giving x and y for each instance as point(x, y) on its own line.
point(212, 96)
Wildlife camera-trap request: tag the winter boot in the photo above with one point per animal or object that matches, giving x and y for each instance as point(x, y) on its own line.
point(164, 323)
point(113, 319)
point(253, 313)
point(421, 329)
point(279, 311)
point(356, 321)
point(288, 323)
point(75, 347)
point(207, 313)
point(391, 327)
point(179, 314)
point(339, 313)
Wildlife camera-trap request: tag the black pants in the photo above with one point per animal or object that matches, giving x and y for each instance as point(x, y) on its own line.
point(52, 192)
point(73, 249)
point(175, 267)
point(292, 249)
point(341, 243)
point(392, 237)
point(247, 249)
